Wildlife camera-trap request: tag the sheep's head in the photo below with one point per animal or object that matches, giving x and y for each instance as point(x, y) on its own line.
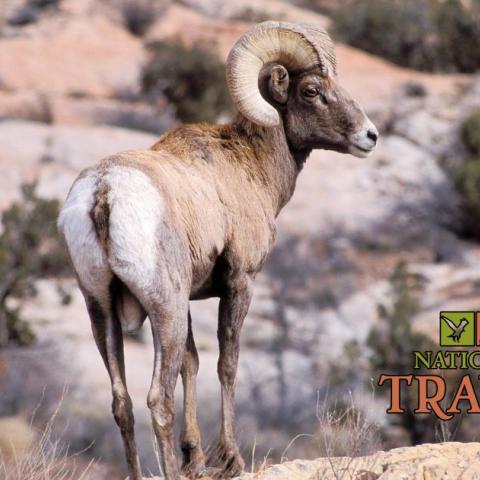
point(286, 72)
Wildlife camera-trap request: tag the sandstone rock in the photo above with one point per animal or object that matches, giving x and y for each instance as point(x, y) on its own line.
point(427, 462)
point(55, 155)
point(67, 110)
point(193, 28)
point(399, 182)
point(132, 115)
point(378, 84)
point(25, 105)
point(254, 11)
point(427, 130)
point(88, 56)
point(222, 30)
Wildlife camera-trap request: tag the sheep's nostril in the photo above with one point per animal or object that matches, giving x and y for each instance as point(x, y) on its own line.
point(372, 135)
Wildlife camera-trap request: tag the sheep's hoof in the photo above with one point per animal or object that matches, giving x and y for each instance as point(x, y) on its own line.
point(208, 473)
point(158, 478)
point(229, 461)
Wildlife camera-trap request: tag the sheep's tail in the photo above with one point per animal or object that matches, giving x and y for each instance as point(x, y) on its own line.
point(127, 307)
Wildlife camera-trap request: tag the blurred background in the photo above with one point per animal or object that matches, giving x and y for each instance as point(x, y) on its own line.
point(368, 252)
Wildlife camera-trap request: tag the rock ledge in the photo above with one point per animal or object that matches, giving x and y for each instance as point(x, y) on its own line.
point(445, 461)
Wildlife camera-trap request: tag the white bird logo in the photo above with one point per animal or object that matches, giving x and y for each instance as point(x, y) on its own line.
point(457, 331)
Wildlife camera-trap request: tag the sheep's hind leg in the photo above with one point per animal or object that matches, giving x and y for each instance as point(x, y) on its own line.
point(193, 456)
point(108, 337)
point(232, 311)
point(169, 329)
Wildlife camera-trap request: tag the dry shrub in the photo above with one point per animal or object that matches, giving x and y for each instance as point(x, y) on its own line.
point(37, 456)
point(345, 433)
point(16, 437)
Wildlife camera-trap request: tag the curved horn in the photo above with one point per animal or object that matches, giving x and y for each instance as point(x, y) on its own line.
point(295, 46)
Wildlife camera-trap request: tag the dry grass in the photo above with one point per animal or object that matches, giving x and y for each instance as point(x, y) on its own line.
point(344, 435)
point(38, 456)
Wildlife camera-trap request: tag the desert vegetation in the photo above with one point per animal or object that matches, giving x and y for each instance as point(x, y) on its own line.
point(29, 11)
point(29, 249)
point(191, 78)
point(139, 16)
point(467, 176)
point(391, 342)
point(421, 34)
point(39, 455)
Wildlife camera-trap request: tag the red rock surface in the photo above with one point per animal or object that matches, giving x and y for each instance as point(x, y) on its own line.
point(88, 56)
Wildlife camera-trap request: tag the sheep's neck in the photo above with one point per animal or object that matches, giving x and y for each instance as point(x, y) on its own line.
point(276, 165)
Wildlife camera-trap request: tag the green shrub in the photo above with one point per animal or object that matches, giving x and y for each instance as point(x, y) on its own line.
point(139, 15)
point(421, 34)
point(43, 3)
point(326, 7)
point(30, 11)
point(391, 341)
point(459, 28)
point(23, 15)
point(393, 338)
point(192, 79)
point(29, 249)
point(467, 177)
point(467, 181)
point(471, 132)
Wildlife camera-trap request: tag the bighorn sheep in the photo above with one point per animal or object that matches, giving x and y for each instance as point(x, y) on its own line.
point(194, 217)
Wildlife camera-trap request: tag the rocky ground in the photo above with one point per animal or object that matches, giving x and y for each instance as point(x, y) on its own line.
point(69, 103)
point(424, 462)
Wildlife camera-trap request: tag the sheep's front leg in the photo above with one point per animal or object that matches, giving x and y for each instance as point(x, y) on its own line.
point(232, 311)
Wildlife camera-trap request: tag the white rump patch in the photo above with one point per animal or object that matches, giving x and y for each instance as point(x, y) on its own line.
point(136, 209)
point(77, 227)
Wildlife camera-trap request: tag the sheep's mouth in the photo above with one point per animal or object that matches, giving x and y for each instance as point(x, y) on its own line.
point(362, 149)
point(359, 151)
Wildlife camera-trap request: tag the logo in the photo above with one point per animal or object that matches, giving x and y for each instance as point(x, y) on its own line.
point(459, 329)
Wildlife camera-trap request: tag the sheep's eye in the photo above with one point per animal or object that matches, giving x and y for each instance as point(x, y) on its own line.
point(311, 92)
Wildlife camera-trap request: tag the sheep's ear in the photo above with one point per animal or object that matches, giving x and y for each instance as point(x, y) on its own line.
point(278, 83)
